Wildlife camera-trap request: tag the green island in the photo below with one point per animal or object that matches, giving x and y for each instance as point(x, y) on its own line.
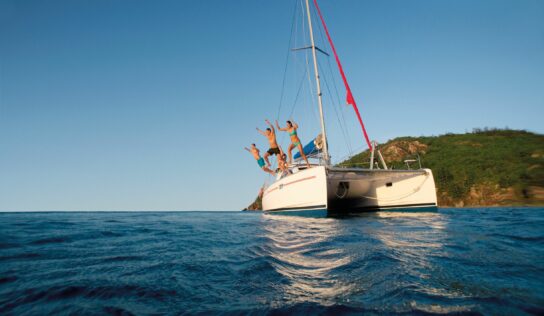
point(485, 167)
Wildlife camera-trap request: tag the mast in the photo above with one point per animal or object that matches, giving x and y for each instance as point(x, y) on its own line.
point(318, 84)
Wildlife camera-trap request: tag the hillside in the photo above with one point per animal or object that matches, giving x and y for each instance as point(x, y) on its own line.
point(482, 168)
point(488, 167)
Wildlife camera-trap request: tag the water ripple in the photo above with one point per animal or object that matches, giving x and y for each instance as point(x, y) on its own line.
point(455, 261)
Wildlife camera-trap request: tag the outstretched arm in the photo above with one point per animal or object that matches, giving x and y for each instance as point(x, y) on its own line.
point(260, 132)
point(269, 124)
point(278, 126)
point(247, 149)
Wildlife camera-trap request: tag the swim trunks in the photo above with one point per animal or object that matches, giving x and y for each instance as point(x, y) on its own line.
point(296, 144)
point(261, 162)
point(273, 151)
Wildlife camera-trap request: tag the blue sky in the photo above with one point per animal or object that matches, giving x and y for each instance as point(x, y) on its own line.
point(147, 105)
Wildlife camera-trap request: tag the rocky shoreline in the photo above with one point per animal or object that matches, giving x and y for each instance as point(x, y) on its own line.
point(488, 167)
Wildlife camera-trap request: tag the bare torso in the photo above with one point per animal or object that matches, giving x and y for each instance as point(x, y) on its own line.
point(272, 140)
point(255, 153)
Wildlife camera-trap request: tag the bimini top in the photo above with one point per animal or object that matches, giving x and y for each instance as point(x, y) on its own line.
point(310, 150)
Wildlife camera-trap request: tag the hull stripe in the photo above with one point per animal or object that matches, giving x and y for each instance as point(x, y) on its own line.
point(303, 179)
point(298, 208)
point(359, 208)
point(289, 183)
point(369, 208)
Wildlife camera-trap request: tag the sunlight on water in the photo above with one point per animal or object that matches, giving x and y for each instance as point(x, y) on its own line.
point(483, 261)
point(387, 214)
point(413, 244)
point(297, 247)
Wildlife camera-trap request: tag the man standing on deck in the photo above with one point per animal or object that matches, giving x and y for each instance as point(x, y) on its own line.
point(256, 154)
point(270, 134)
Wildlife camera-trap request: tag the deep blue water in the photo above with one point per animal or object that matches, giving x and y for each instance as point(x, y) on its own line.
point(473, 261)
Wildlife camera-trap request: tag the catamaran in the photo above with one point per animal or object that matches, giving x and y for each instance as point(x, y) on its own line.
point(327, 188)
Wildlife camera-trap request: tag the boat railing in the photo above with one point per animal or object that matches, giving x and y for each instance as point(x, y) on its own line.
point(352, 164)
point(409, 161)
point(374, 164)
point(375, 149)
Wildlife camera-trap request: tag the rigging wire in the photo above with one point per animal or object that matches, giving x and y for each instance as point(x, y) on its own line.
point(312, 94)
point(300, 86)
point(341, 119)
point(294, 30)
point(349, 97)
point(329, 68)
point(299, 36)
point(342, 128)
point(304, 64)
point(287, 60)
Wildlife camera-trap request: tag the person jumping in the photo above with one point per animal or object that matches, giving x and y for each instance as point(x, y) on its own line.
point(254, 151)
point(291, 128)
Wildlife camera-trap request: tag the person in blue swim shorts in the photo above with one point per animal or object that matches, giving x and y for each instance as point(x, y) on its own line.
point(254, 151)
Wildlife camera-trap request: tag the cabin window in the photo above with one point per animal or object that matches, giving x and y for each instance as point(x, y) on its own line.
point(389, 184)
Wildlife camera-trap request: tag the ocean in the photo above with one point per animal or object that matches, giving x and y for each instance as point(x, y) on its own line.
point(453, 261)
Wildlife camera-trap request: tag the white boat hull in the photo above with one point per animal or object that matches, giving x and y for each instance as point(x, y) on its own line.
point(304, 190)
point(342, 190)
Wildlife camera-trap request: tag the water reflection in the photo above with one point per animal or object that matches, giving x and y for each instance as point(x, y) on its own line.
point(303, 252)
point(369, 260)
point(412, 237)
point(415, 240)
point(416, 231)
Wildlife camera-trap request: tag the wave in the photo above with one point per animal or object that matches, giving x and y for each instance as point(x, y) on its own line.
point(456, 261)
